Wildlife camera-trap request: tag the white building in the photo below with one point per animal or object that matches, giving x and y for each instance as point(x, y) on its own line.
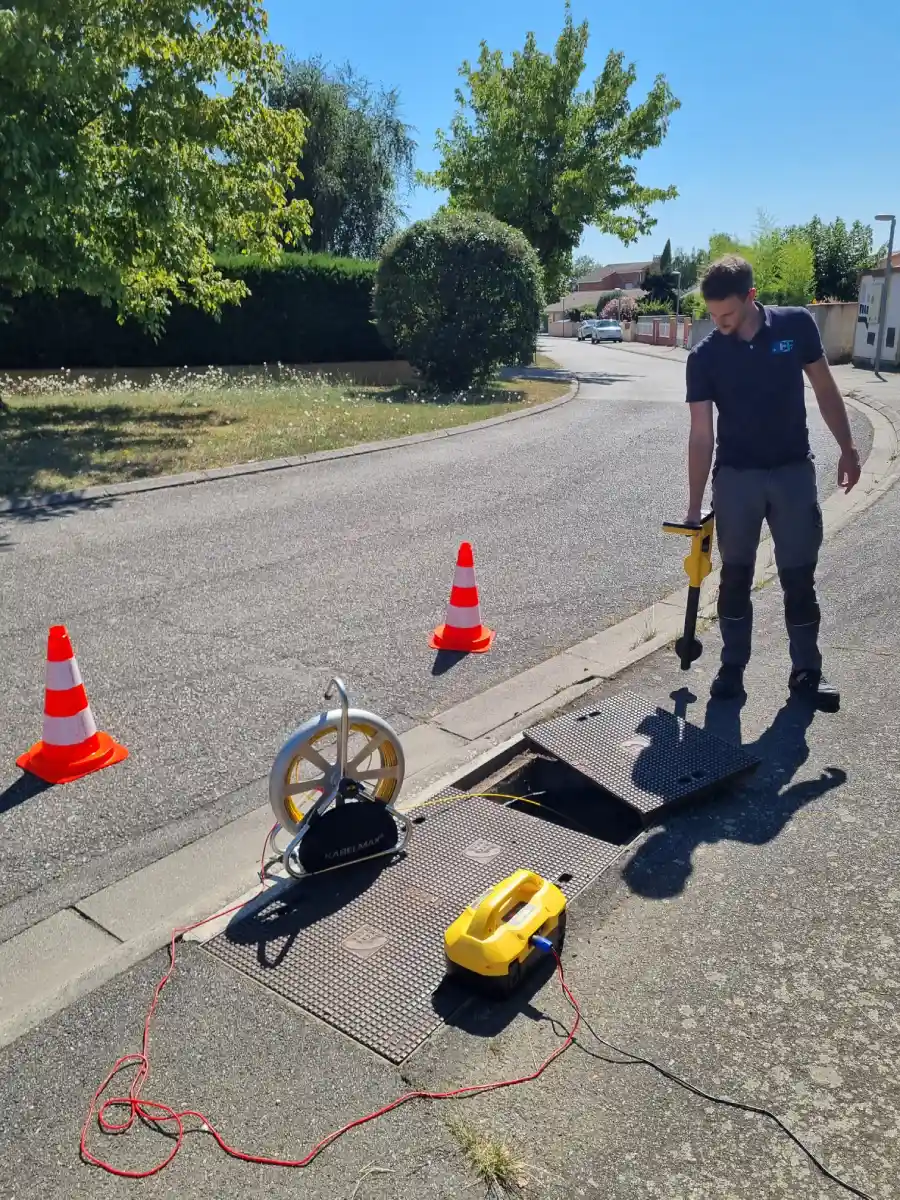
point(871, 287)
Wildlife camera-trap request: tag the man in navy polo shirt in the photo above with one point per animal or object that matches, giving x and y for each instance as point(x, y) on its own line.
point(751, 369)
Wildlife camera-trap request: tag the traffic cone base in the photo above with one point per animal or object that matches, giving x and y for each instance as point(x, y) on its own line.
point(71, 746)
point(49, 764)
point(462, 630)
point(447, 637)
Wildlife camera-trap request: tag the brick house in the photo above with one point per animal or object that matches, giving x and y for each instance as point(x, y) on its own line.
point(625, 277)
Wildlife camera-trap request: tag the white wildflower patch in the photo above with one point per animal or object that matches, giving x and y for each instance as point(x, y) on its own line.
point(179, 382)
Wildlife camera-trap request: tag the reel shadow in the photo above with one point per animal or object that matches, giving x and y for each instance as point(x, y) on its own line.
point(274, 921)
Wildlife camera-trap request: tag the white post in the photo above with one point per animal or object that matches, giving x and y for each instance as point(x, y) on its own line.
point(879, 343)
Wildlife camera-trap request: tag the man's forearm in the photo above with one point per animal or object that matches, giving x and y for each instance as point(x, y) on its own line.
point(700, 452)
point(834, 414)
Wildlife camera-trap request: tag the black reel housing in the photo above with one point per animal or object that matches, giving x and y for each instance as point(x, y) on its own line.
point(347, 832)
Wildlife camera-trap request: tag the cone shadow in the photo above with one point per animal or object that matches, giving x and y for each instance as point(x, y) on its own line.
point(26, 787)
point(446, 660)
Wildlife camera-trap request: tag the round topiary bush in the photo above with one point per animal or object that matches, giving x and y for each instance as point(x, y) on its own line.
point(459, 295)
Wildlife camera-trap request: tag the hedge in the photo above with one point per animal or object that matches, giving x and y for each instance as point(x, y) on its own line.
point(306, 309)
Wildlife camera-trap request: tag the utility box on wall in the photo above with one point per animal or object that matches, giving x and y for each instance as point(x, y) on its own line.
point(871, 288)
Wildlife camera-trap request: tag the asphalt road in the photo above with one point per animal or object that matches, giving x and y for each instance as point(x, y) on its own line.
point(207, 620)
point(749, 944)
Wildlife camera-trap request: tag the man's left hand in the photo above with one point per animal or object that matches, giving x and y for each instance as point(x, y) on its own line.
point(849, 469)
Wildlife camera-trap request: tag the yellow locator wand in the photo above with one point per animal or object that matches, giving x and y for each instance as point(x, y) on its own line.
point(697, 566)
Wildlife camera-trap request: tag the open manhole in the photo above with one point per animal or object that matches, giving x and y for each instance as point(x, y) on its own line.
point(559, 794)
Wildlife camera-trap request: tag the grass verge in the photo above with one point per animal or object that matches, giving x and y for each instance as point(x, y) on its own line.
point(61, 431)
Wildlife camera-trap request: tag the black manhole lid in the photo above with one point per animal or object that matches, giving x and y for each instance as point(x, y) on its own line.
point(363, 948)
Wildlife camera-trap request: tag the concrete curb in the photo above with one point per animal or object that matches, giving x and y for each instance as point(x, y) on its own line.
point(188, 478)
point(51, 964)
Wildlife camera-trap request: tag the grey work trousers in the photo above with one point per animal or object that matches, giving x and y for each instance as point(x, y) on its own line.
point(786, 499)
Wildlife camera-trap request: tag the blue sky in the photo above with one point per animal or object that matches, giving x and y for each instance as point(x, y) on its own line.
point(764, 88)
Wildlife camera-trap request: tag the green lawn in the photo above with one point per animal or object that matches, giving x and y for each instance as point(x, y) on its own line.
point(59, 432)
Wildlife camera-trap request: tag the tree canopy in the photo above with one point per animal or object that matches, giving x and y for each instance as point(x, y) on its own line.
point(796, 264)
point(122, 168)
point(357, 155)
point(840, 253)
point(660, 285)
point(527, 146)
point(782, 261)
point(690, 264)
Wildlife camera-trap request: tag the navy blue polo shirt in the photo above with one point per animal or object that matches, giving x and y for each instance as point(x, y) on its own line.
point(757, 388)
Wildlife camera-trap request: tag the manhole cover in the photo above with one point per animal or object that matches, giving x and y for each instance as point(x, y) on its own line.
point(643, 755)
point(363, 948)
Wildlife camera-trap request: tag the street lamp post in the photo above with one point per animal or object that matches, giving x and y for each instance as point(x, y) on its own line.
point(677, 297)
point(882, 313)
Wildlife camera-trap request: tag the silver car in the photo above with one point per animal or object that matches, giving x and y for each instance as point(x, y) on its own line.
point(606, 331)
point(585, 329)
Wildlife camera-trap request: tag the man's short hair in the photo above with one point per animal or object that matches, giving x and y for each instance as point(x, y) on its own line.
point(727, 276)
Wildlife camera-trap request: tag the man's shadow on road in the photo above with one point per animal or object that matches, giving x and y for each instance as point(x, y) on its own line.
point(756, 815)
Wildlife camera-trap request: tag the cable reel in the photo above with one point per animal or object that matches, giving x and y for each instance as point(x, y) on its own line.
point(332, 789)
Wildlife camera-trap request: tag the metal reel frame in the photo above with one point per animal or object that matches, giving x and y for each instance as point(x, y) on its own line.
point(340, 781)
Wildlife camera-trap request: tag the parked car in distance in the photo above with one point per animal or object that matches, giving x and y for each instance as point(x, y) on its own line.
point(606, 331)
point(585, 328)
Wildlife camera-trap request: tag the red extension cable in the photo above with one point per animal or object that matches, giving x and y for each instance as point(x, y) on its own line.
point(154, 1113)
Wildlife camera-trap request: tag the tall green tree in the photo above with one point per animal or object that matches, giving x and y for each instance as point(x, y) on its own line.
point(122, 168)
point(660, 286)
point(840, 253)
point(690, 264)
point(782, 261)
point(796, 271)
point(665, 259)
point(529, 147)
point(357, 156)
point(725, 243)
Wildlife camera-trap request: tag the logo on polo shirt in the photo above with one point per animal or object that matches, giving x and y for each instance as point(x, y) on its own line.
point(784, 347)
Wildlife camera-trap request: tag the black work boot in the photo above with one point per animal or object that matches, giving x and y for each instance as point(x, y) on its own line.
point(813, 687)
point(729, 683)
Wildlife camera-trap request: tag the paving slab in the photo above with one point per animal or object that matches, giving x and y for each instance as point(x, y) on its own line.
point(185, 886)
point(506, 701)
point(64, 946)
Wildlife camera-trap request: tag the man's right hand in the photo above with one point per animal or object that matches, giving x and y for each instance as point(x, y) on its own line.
point(694, 517)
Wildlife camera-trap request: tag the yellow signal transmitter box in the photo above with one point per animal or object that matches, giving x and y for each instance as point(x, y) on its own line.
point(506, 932)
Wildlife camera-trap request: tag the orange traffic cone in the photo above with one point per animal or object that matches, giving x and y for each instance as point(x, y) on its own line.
point(71, 745)
point(463, 630)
